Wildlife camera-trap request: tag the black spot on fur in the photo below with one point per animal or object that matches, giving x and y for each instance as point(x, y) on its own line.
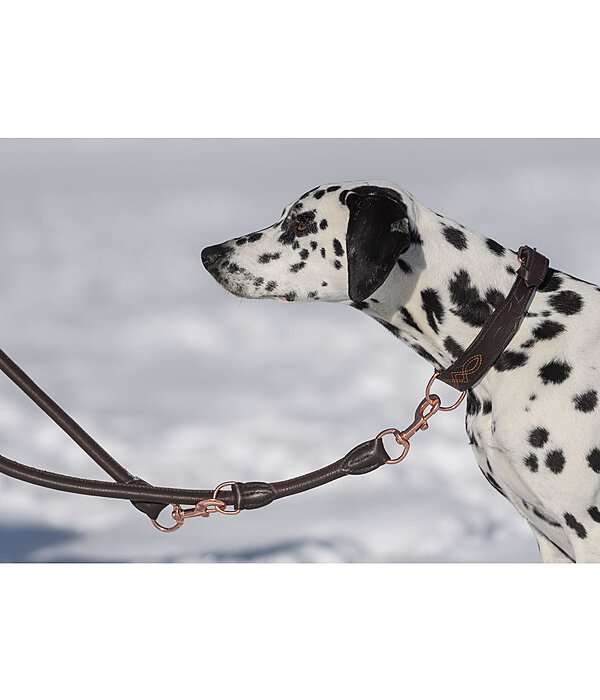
point(468, 304)
point(271, 286)
point(496, 248)
point(567, 302)
point(547, 330)
point(314, 245)
point(533, 397)
point(407, 318)
point(510, 360)
point(494, 297)
point(594, 513)
point(405, 267)
point(538, 437)
point(290, 296)
point(292, 225)
point(337, 264)
point(297, 266)
point(586, 402)
point(323, 284)
point(593, 460)
point(555, 372)
point(258, 281)
point(473, 404)
point(555, 461)
point(323, 224)
point(455, 237)
point(545, 518)
point(295, 245)
point(337, 247)
point(453, 347)
point(432, 307)
point(531, 462)
point(552, 282)
point(360, 305)
point(313, 295)
point(333, 188)
point(253, 237)
point(574, 524)
point(425, 355)
point(392, 329)
point(307, 193)
point(487, 407)
point(511, 270)
point(267, 257)
point(319, 194)
point(323, 252)
point(241, 241)
point(304, 253)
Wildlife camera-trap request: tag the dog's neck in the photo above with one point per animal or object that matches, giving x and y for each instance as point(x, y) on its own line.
point(443, 288)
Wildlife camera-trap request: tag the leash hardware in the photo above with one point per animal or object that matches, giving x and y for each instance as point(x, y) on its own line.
point(202, 509)
point(221, 508)
point(431, 401)
point(419, 423)
point(431, 397)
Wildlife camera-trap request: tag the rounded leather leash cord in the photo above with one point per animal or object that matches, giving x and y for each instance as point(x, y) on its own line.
point(477, 359)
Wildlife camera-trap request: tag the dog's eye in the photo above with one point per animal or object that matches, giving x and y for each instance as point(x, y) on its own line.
point(301, 228)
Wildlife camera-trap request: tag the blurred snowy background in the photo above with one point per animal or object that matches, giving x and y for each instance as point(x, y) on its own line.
point(106, 305)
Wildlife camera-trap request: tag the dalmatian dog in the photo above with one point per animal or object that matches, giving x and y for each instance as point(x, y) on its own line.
point(533, 420)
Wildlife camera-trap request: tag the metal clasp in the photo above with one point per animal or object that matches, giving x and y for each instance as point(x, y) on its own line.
point(431, 401)
point(202, 509)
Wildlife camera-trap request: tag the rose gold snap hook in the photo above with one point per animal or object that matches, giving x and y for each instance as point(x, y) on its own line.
point(221, 508)
point(433, 397)
point(202, 509)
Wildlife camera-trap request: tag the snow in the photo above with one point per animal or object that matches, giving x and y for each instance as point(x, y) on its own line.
point(107, 307)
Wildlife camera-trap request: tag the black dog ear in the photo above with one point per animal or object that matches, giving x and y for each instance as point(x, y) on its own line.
point(378, 233)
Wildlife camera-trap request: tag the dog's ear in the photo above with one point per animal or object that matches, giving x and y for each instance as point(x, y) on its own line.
point(378, 233)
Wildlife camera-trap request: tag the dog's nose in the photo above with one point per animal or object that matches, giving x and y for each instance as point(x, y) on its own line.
point(211, 254)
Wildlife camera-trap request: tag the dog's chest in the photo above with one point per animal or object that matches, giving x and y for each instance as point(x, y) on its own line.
point(511, 448)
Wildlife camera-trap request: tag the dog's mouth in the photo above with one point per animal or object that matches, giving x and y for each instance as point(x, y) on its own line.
point(240, 290)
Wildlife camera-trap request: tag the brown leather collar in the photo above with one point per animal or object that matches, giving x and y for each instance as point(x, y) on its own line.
point(501, 326)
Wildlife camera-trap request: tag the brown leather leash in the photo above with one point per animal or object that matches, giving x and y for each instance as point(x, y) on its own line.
point(469, 368)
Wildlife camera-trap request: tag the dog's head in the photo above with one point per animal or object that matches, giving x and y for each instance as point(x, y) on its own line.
point(335, 243)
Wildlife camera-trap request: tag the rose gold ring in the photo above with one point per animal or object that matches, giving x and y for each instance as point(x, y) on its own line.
point(400, 439)
point(435, 397)
point(222, 509)
point(176, 514)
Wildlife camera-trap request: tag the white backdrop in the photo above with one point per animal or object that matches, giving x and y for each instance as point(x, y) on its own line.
point(106, 305)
